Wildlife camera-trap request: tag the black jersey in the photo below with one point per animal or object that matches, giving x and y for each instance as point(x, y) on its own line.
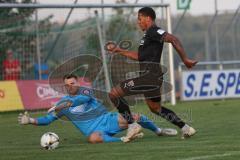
point(150, 48)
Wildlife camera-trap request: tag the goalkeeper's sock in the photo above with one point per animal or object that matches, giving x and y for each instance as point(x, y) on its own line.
point(171, 117)
point(123, 109)
point(148, 124)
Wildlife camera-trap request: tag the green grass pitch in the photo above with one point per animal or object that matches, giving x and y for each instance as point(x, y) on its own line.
point(217, 123)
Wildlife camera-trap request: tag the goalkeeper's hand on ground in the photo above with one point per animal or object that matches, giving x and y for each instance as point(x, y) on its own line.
point(25, 118)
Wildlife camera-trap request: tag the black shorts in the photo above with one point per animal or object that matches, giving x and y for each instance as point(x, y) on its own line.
point(148, 84)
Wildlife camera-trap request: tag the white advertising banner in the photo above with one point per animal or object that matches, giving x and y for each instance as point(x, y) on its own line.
point(212, 84)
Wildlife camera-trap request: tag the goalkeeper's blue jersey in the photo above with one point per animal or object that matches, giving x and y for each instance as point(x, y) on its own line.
point(85, 112)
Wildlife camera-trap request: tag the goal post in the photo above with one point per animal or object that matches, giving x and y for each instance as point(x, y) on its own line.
point(115, 6)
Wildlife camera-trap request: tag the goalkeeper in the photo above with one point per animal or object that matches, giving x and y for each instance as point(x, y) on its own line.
point(91, 117)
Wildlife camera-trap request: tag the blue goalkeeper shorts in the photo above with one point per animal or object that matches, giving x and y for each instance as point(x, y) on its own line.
point(107, 124)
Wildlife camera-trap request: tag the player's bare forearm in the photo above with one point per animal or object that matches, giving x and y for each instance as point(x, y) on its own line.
point(176, 44)
point(130, 54)
point(111, 47)
point(180, 50)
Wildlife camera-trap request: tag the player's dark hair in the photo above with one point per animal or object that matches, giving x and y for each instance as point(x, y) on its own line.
point(70, 75)
point(148, 12)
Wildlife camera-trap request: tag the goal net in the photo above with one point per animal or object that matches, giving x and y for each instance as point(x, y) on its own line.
point(65, 37)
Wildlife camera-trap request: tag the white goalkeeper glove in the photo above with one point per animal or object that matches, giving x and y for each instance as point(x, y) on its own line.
point(25, 119)
point(126, 139)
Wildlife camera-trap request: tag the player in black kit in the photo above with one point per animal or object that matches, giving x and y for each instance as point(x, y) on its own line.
point(150, 80)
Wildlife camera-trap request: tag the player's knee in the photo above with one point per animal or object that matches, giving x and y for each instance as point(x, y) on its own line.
point(154, 107)
point(113, 98)
point(95, 138)
point(113, 95)
point(154, 110)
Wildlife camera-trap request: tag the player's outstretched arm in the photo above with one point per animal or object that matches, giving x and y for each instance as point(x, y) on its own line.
point(112, 47)
point(189, 63)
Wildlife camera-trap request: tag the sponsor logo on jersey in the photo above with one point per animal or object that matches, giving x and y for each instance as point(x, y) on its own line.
point(86, 91)
point(129, 84)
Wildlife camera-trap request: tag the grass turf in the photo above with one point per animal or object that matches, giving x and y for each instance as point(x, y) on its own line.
point(217, 137)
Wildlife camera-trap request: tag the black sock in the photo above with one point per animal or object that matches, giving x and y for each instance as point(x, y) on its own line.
point(171, 117)
point(123, 108)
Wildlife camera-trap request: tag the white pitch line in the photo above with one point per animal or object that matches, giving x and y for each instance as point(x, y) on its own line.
point(209, 156)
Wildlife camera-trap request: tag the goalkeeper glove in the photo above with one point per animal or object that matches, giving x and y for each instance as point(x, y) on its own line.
point(25, 119)
point(126, 139)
